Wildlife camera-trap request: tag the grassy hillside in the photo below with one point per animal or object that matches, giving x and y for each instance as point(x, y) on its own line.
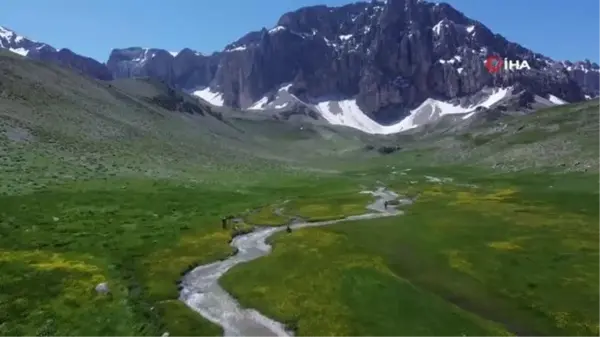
point(108, 181)
point(562, 138)
point(56, 125)
point(125, 183)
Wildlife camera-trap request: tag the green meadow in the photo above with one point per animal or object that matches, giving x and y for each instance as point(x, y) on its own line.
point(138, 235)
point(480, 252)
point(494, 254)
point(126, 183)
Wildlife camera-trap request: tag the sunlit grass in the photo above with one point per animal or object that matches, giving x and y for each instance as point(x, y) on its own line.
point(496, 255)
point(137, 235)
point(168, 263)
point(329, 206)
point(511, 251)
point(266, 216)
point(329, 290)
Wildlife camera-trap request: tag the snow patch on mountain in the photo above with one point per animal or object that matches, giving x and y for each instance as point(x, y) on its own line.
point(20, 51)
point(346, 112)
point(276, 29)
point(138, 57)
point(584, 66)
point(454, 59)
point(8, 34)
point(437, 29)
point(496, 96)
point(240, 48)
point(556, 100)
point(280, 100)
point(212, 97)
point(431, 110)
point(260, 104)
point(16, 43)
point(144, 56)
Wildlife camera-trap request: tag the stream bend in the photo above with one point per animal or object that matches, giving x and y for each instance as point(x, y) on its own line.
point(201, 291)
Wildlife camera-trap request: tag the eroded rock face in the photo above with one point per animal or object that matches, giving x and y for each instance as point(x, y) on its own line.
point(86, 65)
point(390, 56)
point(585, 73)
point(186, 69)
point(192, 69)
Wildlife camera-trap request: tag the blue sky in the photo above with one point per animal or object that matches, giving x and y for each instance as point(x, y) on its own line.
point(557, 28)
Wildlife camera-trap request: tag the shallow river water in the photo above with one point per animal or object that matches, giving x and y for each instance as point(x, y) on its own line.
point(202, 292)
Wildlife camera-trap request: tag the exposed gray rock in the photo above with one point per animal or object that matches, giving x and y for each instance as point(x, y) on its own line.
point(586, 74)
point(186, 69)
point(102, 288)
point(389, 56)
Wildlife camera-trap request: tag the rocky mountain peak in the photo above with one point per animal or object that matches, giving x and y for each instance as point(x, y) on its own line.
point(41, 51)
point(21, 45)
point(186, 69)
point(386, 56)
point(382, 59)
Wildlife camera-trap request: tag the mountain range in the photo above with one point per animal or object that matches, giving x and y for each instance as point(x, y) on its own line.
point(378, 67)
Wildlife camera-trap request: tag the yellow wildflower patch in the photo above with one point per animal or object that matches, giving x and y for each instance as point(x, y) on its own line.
point(459, 262)
point(504, 245)
point(369, 262)
point(48, 261)
point(168, 263)
point(204, 239)
point(266, 216)
point(501, 195)
point(74, 288)
point(316, 238)
point(561, 319)
point(482, 200)
point(463, 197)
point(432, 192)
point(310, 209)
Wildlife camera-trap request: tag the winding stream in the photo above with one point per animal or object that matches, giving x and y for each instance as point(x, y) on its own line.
point(201, 291)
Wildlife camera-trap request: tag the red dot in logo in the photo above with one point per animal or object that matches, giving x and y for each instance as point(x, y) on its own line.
point(494, 64)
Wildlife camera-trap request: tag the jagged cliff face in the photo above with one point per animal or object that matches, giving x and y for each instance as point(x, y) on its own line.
point(585, 73)
point(185, 69)
point(389, 56)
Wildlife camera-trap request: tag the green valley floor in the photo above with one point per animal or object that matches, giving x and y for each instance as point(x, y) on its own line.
point(477, 253)
point(486, 254)
point(126, 182)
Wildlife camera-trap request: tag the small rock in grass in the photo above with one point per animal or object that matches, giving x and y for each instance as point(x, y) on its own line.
point(102, 288)
point(166, 334)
